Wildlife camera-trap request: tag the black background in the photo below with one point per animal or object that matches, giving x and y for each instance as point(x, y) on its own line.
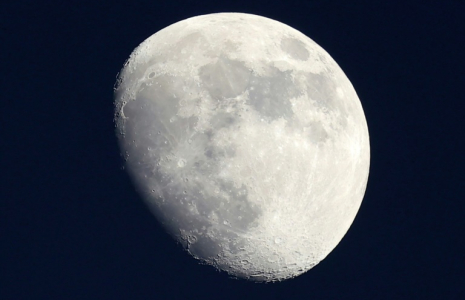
point(73, 227)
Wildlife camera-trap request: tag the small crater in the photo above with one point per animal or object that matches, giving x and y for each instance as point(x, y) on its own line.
point(181, 163)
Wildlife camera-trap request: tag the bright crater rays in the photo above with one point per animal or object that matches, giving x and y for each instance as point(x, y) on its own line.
point(246, 140)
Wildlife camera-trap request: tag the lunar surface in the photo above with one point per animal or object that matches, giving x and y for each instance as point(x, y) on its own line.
point(246, 140)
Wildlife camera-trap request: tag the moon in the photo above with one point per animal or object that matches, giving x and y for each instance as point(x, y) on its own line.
point(246, 140)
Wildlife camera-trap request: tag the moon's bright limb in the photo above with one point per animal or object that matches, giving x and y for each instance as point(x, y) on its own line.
point(247, 141)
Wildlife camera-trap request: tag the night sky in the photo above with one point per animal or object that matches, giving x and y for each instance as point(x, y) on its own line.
point(73, 227)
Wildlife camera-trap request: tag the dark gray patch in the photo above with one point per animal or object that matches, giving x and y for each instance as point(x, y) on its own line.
point(270, 95)
point(238, 212)
point(215, 153)
point(150, 113)
point(322, 90)
point(295, 48)
point(209, 153)
point(318, 89)
point(316, 133)
point(225, 78)
point(222, 119)
point(234, 213)
point(204, 248)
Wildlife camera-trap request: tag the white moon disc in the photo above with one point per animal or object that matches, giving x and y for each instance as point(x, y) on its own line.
point(246, 140)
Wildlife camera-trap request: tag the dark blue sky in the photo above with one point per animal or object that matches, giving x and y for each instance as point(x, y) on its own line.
point(73, 227)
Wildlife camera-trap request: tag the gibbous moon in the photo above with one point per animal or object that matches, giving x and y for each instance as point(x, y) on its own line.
point(246, 140)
